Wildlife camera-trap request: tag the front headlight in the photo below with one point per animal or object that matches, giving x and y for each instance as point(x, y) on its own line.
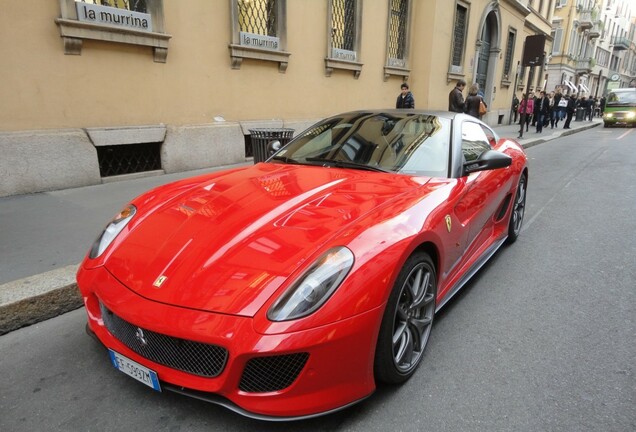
point(631, 115)
point(112, 230)
point(314, 287)
point(609, 115)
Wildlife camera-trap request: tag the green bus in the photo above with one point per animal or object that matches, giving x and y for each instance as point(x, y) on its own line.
point(620, 108)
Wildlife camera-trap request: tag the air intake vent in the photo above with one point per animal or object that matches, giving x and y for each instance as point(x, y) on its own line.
point(268, 374)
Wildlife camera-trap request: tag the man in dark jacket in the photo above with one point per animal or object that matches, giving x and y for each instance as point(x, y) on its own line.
point(542, 109)
point(571, 108)
point(456, 98)
point(405, 99)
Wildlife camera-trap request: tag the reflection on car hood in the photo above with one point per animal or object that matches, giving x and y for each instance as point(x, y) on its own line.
point(230, 241)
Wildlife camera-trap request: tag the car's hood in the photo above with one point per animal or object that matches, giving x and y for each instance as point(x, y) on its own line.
point(229, 242)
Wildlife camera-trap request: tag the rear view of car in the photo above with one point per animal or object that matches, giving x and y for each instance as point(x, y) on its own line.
point(621, 108)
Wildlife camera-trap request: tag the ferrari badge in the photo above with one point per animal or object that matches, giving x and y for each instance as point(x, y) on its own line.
point(160, 280)
point(449, 223)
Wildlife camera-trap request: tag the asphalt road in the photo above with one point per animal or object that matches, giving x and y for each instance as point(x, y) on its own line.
point(542, 339)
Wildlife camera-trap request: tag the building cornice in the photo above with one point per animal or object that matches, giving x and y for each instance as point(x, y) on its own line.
point(518, 6)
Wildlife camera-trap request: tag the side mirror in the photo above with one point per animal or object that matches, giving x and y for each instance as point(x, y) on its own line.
point(490, 159)
point(273, 147)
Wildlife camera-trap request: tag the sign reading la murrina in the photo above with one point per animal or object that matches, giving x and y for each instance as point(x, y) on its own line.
point(259, 41)
point(113, 16)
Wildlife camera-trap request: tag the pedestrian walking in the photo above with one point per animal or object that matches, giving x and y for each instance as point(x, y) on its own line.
point(405, 99)
point(541, 110)
point(473, 101)
point(591, 108)
point(553, 109)
point(561, 104)
point(456, 97)
point(569, 110)
point(515, 107)
point(526, 108)
point(535, 113)
point(602, 106)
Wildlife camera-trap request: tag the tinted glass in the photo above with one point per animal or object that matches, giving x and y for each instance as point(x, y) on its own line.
point(474, 141)
point(622, 98)
point(410, 144)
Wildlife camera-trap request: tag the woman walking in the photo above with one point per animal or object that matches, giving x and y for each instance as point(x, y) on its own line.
point(526, 109)
point(471, 106)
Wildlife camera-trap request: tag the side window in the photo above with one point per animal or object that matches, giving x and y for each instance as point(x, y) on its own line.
point(474, 141)
point(397, 62)
point(492, 138)
point(343, 30)
point(136, 22)
point(259, 31)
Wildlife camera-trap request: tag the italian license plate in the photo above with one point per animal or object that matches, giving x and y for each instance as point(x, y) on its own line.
point(135, 370)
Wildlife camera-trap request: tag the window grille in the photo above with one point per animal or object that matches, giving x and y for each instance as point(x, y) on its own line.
point(127, 159)
point(459, 37)
point(509, 52)
point(397, 29)
point(257, 16)
point(343, 24)
point(132, 5)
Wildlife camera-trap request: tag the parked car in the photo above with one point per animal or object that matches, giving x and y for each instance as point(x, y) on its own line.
point(620, 109)
point(292, 287)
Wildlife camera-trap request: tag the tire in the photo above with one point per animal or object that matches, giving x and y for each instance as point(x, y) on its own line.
point(407, 321)
point(518, 210)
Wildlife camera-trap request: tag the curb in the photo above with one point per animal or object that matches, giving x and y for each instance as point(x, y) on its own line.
point(37, 298)
point(531, 142)
point(40, 297)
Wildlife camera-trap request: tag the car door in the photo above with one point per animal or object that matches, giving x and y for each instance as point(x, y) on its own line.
point(484, 193)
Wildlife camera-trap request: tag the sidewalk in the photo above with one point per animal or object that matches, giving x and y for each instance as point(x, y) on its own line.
point(44, 236)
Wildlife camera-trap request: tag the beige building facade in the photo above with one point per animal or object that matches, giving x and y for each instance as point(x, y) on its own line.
point(594, 46)
point(88, 86)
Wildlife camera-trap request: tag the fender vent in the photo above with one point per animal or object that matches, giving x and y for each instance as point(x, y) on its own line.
point(504, 207)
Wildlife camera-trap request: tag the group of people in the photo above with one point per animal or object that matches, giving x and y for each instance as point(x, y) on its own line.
point(473, 102)
point(537, 111)
point(456, 103)
point(549, 109)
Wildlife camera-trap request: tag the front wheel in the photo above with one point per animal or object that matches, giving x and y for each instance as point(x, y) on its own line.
point(518, 210)
point(407, 321)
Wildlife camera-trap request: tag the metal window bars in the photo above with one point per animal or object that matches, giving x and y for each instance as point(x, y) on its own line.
point(257, 17)
point(343, 24)
point(132, 5)
point(397, 29)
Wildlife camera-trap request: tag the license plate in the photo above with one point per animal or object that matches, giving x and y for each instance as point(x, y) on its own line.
point(135, 370)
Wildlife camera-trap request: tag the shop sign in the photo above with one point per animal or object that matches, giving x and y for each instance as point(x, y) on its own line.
point(340, 54)
point(259, 41)
point(98, 14)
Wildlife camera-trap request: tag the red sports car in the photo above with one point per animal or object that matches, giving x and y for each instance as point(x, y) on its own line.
point(291, 288)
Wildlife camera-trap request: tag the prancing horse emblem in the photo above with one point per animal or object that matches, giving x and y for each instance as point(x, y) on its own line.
point(139, 334)
point(449, 223)
point(159, 281)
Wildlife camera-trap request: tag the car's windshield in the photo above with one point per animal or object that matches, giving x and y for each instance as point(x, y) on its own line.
point(622, 98)
point(413, 144)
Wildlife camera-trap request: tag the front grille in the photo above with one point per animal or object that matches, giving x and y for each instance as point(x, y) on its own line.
point(268, 374)
point(188, 356)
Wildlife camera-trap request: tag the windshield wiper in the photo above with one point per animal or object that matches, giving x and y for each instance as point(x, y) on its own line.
point(285, 159)
point(346, 164)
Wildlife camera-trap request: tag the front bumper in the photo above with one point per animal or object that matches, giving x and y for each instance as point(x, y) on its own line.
point(339, 357)
point(619, 118)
